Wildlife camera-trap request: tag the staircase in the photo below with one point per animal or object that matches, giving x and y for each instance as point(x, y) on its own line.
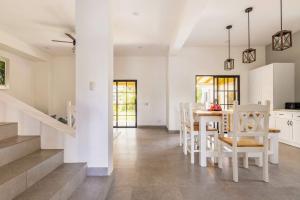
point(29, 173)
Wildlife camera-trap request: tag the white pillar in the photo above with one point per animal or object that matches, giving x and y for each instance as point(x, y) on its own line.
point(94, 77)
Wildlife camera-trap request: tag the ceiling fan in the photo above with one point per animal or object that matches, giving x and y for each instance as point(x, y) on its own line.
point(71, 37)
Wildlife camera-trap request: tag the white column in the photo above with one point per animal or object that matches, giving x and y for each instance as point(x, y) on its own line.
point(94, 76)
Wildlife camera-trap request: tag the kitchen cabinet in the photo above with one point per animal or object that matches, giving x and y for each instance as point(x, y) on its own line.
point(289, 124)
point(272, 122)
point(296, 131)
point(274, 82)
point(285, 129)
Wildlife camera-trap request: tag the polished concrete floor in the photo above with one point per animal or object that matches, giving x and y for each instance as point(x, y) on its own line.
point(149, 165)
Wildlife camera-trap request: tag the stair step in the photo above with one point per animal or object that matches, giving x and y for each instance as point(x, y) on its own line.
point(8, 129)
point(16, 147)
point(59, 184)
point(19, 175)
point(93, 188)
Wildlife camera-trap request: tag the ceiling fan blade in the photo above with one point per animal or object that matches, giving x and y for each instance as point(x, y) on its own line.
point(61, 41)
point(70, 36)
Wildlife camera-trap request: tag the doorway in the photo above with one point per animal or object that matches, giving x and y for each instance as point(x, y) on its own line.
point(125, 103)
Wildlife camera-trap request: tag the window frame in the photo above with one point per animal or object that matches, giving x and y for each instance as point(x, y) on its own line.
point(216, 77)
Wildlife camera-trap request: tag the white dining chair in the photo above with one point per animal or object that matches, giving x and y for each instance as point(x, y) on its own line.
point(181, 129)
point(191, 131)
point(249, 123)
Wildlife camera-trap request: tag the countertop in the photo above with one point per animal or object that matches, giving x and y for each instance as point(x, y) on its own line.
point(285, 110)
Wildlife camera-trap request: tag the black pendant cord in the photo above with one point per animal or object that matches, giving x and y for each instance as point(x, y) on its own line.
point(228, 43)
point(281, 14)
point(248, 30)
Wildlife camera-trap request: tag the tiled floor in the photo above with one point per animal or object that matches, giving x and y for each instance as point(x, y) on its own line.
point(149, 164)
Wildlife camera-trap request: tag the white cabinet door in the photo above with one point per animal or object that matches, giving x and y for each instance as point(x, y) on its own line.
point(272, 122)
point(285, 129)
point(296, 131)
point(266, 85)
point(254, 87)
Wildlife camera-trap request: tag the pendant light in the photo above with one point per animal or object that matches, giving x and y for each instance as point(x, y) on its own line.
point(229, 62)
point(282, 40)
point(249, 55)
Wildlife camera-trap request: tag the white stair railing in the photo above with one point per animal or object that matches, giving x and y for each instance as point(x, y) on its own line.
point(9, 102)
point(71, 113)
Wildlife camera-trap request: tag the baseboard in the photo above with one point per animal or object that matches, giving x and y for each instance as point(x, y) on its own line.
point(152, 126)
point(173, 131)
point(97, 171)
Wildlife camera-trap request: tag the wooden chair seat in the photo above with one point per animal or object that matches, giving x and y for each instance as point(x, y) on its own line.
point(243, 142)
point(274, 130)
point(271, 130)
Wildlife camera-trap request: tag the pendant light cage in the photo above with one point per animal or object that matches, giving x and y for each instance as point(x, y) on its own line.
point(229, 62)
point(249, 54)
point(282, 40)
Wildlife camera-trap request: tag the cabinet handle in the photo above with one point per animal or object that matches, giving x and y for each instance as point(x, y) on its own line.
point(291, 123)
point(288, 122)
point(281, 114)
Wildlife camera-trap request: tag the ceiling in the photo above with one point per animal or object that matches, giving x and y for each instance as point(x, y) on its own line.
point(145, 22)
point(265, 21)
point(37, 22)
point(147, 26)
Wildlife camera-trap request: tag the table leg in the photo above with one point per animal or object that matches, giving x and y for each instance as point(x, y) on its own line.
point(274, 149)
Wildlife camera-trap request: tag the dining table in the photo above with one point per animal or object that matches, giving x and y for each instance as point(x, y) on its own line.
point(223, 119)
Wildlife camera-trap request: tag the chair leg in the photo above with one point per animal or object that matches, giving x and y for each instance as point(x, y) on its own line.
point(185, 141)
point(192, 148)
point(216, 145)
point(220, 155)
point(265, 166)
point(235, 166)
point(246, 161)
point(211, 148)
point(180, 137)
point(259, 160)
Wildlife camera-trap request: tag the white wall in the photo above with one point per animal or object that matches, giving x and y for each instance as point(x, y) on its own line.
point(21, 77)
point(290, 55)
point(62, 84)
point(42, 75)
point(45, 85)
point(150, 73)
point(192, 61)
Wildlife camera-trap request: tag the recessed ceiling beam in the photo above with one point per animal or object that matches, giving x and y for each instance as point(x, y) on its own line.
point(12, 44)
point(190, 15)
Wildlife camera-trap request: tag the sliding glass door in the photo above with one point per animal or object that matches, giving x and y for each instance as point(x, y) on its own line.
point(223, 90)
point(124, 103)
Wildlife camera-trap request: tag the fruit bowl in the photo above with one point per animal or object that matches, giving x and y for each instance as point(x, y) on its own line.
point(215, 107)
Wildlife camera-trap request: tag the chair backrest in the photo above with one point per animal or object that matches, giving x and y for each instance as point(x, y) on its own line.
point(188, 116)
point(251, 120)
point(181, 112)
point(227, 122)
point(198, 106)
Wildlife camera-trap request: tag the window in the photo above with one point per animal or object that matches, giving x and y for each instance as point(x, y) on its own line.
point(124, 104)
point(223, 90)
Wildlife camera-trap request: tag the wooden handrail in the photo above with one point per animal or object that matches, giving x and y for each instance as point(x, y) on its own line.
point(36, 114)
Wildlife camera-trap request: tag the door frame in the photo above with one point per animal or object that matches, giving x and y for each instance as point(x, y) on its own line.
point(136, 93)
